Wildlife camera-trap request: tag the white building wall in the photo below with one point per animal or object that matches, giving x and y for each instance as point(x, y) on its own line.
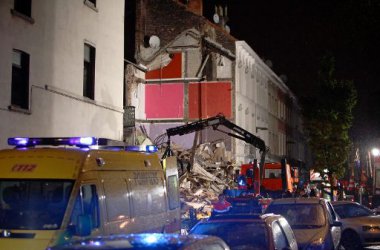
point(257, 89)
point(250, 100)
point(55, 43)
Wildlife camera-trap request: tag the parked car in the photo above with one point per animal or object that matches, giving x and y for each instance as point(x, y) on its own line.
point(313, 220)
point(146, 241)
point(249, 231)
point(361, 226)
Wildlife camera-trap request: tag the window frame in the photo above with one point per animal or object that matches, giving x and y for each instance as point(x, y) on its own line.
point(20, 86)
point(23, 9)
point(89, 71)
point(91, 4)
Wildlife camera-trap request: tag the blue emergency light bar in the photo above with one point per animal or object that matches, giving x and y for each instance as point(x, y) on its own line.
point(83, 142)
point(56, 141)
point(148, 148)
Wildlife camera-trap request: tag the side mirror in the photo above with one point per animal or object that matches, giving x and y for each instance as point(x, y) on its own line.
point(83, 227)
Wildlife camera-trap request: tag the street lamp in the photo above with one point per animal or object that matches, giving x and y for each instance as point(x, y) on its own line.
point(375, 152)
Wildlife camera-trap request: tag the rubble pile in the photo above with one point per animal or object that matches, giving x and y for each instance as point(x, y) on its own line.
point(203, 176)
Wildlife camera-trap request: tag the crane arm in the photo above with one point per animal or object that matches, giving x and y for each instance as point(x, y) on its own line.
point(215, 122)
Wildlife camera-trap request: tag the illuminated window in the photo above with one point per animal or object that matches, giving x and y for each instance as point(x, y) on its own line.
point(20, 80)
point(89, 72)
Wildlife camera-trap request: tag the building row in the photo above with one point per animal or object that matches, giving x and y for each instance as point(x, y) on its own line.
point(122, 68)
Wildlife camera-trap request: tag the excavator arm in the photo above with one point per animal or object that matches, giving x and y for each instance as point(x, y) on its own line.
point(215, 122)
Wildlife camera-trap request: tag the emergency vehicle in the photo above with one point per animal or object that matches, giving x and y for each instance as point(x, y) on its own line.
point(278, 178)
point(53, 190)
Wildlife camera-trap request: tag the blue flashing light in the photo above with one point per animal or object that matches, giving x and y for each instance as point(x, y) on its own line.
point(18, 141)
point(85, 141)
point(56, 141)
point(151, 148)
point(151, 239)
point(148, 149)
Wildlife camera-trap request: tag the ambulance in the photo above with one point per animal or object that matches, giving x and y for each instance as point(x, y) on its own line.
point(54, 190)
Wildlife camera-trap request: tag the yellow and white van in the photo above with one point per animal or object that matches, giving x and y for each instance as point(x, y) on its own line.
point(76, 187)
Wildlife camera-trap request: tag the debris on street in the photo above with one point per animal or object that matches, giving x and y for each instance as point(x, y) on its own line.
point(203, 176)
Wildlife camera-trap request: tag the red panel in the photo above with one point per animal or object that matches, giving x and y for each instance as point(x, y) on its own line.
point(172, 70)
point(164, 100)
point(209, 99)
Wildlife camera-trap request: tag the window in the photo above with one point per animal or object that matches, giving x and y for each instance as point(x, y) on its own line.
point(93, 2)
point(87, 204)
point(33, 204)
point(20, 80)
point(89, 72)
point(23, 6)
point(173, 193)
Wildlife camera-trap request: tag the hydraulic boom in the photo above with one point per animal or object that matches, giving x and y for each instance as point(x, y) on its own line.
point(215, 122)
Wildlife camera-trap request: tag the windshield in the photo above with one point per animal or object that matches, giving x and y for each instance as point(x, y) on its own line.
point(272, 173)
point(300, 215)
point(352, 210)
point(237, 235)
point(33, 204)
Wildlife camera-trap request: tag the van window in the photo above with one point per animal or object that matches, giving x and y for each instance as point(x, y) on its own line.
point(33, 204)
point(86, 204)
point(116, 192)
point(173, 192)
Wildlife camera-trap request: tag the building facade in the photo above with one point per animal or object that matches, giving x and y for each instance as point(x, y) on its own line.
point(188, 64)
point(188, 68)
point(61, 68)
point(266, 107)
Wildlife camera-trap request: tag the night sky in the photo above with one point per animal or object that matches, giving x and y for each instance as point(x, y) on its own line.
point(294, 35)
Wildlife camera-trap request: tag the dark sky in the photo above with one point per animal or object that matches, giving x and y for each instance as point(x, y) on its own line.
point(294, 35)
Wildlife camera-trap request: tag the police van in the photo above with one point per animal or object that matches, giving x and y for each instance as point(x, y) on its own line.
point(53, 190)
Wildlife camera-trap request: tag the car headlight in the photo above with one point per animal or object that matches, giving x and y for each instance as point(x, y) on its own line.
point(370, 228)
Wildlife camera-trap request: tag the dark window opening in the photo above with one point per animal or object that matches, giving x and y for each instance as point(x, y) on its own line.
point(23, 6)
point(20, 80)
point(89, 72)
point(91, 2)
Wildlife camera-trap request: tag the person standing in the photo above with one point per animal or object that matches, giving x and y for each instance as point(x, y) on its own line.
point(222, 205)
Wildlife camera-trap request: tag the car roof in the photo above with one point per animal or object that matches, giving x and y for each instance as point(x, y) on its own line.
point(303, 200)
point(228, 217)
